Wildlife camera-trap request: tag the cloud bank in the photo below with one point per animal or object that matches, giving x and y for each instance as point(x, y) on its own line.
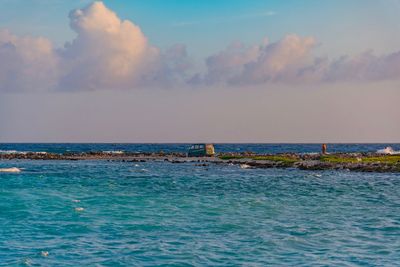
point(290, 60)
point(110, 53)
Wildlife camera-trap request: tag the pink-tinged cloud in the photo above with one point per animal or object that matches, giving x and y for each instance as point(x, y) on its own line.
point(26, 63)
point(230, 62)
point(365, 67)
point(278, 61)
point(290, 60)
point(107, 52)
point(267, 62)
point(110, 53)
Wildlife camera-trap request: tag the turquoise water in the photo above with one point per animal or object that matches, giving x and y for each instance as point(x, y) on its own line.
point(163, 214)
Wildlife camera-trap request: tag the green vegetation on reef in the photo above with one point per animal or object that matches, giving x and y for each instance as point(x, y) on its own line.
point(276, 158)
point(333, 158)
point(386, 159)
point(339, 159)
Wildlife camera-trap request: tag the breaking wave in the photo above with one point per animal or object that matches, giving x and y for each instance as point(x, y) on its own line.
point(245, 166)
point(13, 169)
point(388, 151)
point(10, 152)
point(114, 152)
point(21, 152)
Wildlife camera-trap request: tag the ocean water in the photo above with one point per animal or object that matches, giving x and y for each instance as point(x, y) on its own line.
point(257, 148)
point(100, 213)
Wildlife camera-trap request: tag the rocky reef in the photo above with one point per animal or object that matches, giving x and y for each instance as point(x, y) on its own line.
point(362, 162)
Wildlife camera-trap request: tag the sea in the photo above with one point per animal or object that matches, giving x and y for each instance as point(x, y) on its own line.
point(109, 213)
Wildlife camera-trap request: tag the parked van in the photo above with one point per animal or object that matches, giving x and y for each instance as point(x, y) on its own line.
point(201, 150)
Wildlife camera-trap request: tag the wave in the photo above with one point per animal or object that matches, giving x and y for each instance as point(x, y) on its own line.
point(13, 169)
point(245, 166)
point(388, 151)
point(114, 152)
point(21, 152)
point(10, 152)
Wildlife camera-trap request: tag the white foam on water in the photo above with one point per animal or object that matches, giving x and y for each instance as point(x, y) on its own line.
point(44, 253)
point(12, 152)
point(8, 151)
point(76, 200)
point(245, 166)
point(13, 169)
point(114, 152)
point(21, 152)
point(388, 151)
point(79, 209)
point(27, 262)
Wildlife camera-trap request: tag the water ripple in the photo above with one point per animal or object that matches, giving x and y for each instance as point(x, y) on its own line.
point(187, 215)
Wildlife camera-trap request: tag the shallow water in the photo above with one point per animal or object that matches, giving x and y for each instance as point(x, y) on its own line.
point(158, 213)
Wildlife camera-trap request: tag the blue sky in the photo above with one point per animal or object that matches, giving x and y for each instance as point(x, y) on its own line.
point(341, 26)
point(199, 71)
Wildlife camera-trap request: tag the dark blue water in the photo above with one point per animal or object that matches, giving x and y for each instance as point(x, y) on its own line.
point(257, 148)
point(99, 213)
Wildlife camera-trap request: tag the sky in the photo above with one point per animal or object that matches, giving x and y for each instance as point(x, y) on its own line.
point(199, 71)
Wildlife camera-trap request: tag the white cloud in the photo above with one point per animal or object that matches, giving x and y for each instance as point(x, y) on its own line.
point(267, 62)
point(278, 61)
point(26, 63)
point(107, 52)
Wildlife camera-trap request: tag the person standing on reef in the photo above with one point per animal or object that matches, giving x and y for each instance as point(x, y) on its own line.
point(324, 149)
